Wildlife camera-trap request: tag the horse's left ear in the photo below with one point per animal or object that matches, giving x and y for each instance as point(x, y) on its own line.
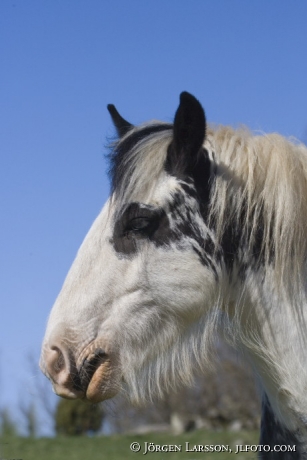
point(189, 132)
point(122, 126)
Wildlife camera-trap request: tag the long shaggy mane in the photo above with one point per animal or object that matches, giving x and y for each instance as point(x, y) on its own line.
point(266, 177)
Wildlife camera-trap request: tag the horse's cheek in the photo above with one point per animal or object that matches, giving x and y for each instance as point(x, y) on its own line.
point(176, 280)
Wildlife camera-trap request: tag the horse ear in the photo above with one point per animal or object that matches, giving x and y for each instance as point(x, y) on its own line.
point(122, 126)
point(189, 131)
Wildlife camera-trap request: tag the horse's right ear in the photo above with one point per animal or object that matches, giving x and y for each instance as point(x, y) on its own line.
point(122, 126)
point(188, 134)
point(189, 124)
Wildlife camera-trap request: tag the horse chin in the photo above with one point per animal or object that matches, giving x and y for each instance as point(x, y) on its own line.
point(67, 393)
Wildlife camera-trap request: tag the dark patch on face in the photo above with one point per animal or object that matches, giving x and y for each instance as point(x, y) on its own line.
point(186, 225)
point(273, 433)
point(196, 181)
point(139, 222)
point(197, 175)
point(198, 178)
point(143, 222)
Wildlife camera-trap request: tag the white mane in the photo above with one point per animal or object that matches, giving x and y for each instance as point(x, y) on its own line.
point(267, 177)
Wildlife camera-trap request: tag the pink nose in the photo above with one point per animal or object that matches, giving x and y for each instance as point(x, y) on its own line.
point(59, 365)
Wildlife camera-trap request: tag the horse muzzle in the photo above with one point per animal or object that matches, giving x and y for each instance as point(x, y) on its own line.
point(94, 379)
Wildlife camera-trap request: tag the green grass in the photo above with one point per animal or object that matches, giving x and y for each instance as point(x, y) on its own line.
point(118, 447)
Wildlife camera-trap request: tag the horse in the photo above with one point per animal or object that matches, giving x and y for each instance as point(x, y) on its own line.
point(204, 232)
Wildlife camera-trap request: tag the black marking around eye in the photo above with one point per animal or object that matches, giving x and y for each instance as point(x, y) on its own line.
point(183, 231)
point(126, 236)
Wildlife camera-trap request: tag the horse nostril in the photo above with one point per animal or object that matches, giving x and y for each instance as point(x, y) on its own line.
point(58, 365)
point(59, 360)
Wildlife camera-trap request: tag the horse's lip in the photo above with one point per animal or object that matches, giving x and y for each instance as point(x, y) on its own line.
point(98, 387)
point(98, 376)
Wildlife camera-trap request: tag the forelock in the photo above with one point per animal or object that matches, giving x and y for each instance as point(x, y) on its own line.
point(137, 160)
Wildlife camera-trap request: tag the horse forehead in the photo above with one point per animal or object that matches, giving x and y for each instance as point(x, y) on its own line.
point(167, 186)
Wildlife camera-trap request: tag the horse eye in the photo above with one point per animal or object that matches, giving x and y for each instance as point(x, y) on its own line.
point(138, 224)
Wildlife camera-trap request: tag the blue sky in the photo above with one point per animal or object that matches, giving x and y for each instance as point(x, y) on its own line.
point(62, 62)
